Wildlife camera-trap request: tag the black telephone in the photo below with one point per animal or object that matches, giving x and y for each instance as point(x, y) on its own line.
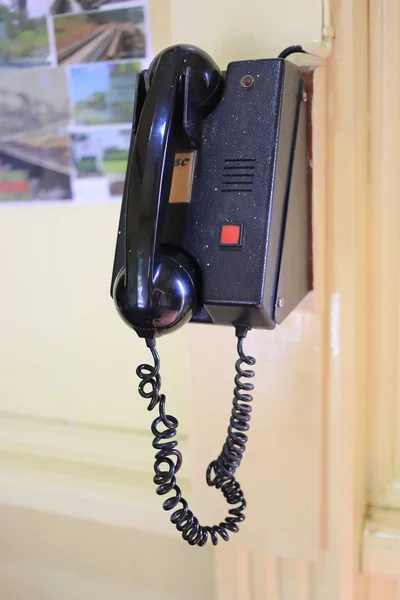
point(232, 251)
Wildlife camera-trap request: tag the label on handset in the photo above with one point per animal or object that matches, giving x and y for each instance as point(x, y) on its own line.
point(182, 179)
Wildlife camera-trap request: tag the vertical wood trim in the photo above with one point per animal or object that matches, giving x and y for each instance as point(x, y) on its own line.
point(244, 590)
point(347, 193)
point(265, 577)
point(305, 574)
point(390, 161)
point(382, 529)
point(383, 240)
point(381, 588)
point(272, 578)
point(320, 240)
point(232, 574)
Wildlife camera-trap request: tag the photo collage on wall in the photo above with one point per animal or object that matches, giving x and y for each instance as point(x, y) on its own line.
point(67, 76)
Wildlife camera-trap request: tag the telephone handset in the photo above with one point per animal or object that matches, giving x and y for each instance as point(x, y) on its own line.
point(156, 292)
point(233, 252)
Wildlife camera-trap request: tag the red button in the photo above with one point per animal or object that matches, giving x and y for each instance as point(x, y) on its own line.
point(230, 235)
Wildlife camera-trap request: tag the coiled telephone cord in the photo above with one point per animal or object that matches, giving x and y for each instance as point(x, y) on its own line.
point(220, 472)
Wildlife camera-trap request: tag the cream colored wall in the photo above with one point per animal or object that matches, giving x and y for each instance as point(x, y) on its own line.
point(45, 557)
point(67, 356)
point(233, 30)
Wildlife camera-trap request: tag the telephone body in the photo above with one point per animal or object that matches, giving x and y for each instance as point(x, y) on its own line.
point(231, 250)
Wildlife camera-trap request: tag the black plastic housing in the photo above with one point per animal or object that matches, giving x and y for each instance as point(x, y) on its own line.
point(251, 171)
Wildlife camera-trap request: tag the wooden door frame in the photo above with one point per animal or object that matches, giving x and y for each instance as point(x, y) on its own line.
point(381, 547)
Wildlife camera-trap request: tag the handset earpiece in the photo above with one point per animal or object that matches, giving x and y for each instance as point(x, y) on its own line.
point(156, 291)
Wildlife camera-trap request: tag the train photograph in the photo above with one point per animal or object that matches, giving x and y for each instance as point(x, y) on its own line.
point(100, 36)
point(35, 105)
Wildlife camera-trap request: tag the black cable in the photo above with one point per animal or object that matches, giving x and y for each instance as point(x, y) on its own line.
point(292, 50)
point(220, 472)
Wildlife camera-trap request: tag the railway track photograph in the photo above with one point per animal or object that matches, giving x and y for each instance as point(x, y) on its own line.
point(34, 105)
point(60, 7)
point(100, 36)
point(35, 169)
point(24, 38)
point(102, 94)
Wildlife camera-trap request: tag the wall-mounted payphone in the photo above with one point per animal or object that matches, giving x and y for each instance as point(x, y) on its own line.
point(231, 249)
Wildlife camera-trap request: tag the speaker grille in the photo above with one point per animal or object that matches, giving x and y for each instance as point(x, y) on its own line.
point(238, 175)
